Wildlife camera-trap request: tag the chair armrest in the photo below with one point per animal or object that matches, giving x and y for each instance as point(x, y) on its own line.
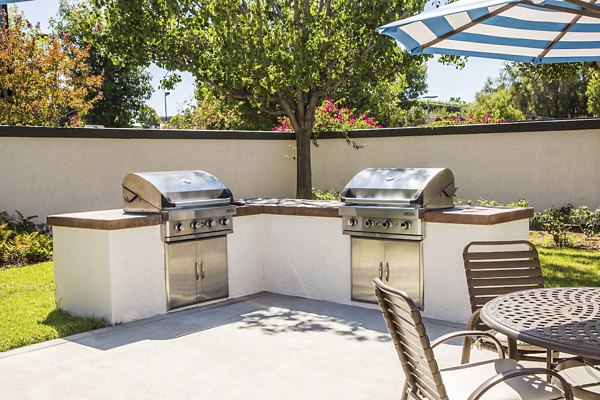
point(473, 319)
point(454, 335)
point(503, 376)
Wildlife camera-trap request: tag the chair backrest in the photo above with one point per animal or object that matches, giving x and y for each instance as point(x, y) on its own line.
point(410, 339)
point(494, 268)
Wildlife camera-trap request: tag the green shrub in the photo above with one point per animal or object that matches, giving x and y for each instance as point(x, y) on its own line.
point(326, 194)
point(22, 224)
point(557, 221)
point(29, 248)
point(5, 247)
point(493, 203)
point(22, 241)
point(592, 224)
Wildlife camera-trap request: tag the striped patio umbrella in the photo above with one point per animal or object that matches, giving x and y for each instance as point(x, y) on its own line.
point(536, 31)
point(12, 1)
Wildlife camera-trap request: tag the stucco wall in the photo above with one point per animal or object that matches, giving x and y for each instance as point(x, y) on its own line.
point(45, 176)
point(546, 168)
point(49, 171)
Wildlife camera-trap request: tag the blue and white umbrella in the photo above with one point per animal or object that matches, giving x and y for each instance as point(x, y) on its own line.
point(537, 31)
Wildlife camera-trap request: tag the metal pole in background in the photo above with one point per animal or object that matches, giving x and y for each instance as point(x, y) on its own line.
point(4, 24)
point(166, 114)
point(4, 15)
point(429, 104)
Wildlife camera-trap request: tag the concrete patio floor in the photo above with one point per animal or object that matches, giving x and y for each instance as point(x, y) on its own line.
point(265, 346)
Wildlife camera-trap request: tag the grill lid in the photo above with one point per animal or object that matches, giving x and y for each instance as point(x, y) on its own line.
point(420, 187)
point(157, 191)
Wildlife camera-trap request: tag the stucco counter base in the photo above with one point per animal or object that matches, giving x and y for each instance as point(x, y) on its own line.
point(111, 265)
point(114, 274)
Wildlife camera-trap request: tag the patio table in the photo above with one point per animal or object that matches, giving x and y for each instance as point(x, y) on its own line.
point(561, 319)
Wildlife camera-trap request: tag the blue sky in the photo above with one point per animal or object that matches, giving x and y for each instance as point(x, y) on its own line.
point(443, 81)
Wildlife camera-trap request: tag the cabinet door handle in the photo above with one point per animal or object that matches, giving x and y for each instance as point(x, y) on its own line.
point(197, 270)
point(202, 271)
point(381, 270)
point(387, 271)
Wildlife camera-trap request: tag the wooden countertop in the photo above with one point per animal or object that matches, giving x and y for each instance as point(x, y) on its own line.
point(306, 208)
point(106, 220)
point(478, 215)
point(117, 219)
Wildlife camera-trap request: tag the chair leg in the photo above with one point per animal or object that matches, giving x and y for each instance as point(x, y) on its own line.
point(549, 358)
point(413, 395)
point(552, 356)
point(404, 395)
point(466, 350)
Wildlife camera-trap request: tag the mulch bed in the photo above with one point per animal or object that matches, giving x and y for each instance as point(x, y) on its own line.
point(576, 240)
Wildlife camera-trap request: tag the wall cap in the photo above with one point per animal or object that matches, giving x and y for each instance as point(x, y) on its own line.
point(113, 133)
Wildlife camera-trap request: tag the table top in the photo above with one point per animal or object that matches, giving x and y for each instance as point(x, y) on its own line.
point(563, 319)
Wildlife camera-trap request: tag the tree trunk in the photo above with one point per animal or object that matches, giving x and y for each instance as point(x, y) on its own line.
point(303, 165)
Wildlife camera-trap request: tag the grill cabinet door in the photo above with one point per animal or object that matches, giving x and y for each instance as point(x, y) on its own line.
point(402, 268)
point(212, 259)
point(367, 260)
point(181, 273)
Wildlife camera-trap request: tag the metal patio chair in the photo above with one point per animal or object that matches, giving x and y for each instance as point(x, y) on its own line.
point(583, 375)
point(495, 268)
point(498, 379)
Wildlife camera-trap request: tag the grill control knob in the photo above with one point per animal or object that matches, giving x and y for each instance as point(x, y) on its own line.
point(386, 224)
point(179, 227)
point(369, 223)
point(210, 223)
point(405, 225)
point(224, 221)
point(196, 225)
point(352, 222)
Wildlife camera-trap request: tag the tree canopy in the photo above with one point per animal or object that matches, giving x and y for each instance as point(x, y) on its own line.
point(552, 91)
point(126, 85)
point(148, 117)
point(524, 91)
point(47, 79)
point(388, 99)
point(283, 56)
point(495, 100)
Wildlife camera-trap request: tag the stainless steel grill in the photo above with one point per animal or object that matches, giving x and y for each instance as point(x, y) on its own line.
point(197, 210)
point(384, 211)
point(390, 202)
point(193, 204)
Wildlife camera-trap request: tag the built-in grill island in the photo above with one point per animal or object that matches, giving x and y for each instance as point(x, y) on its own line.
point(124, 266)
point(383, 212)
point(196, 209)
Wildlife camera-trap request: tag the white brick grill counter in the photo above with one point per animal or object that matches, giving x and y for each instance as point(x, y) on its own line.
point(111, 265)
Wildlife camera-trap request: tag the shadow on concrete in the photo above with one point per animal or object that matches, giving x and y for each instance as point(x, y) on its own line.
point(290, 314)
point(167, 326)
point(271, 313)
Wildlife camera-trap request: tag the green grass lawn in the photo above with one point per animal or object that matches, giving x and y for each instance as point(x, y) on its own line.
point(28, 313)
point(570, 267)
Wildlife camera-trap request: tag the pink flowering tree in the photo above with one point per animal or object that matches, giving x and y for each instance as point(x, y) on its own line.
point(332, 116)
